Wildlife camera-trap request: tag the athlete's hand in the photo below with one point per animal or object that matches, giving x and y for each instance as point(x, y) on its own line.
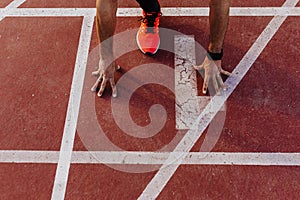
point(212, 74)
point(105, 75)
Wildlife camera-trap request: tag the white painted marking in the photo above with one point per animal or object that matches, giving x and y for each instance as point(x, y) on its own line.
point(62, 170)
point(265, 11)
point(136, 12)
point(187, 108)
point(192, 158)
point(188, 104)
point(52, 12)
point(8, 9)
point(154, 158)
point(162, 177)
point(11, 156)
point(234, 11)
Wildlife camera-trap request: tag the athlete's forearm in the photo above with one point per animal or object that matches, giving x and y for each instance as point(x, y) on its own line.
point(218, 20)
point(105, 23)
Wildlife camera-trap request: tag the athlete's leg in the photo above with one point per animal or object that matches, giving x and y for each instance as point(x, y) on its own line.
point(105, 24)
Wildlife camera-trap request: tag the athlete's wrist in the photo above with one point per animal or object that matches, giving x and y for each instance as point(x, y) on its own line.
point(215, 55)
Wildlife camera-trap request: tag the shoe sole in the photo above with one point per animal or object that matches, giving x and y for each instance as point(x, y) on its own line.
point(147, 53)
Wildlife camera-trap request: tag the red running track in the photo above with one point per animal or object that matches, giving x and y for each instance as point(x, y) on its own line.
point(38, 56)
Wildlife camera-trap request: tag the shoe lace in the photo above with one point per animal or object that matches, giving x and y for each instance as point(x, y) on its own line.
point(150, 21)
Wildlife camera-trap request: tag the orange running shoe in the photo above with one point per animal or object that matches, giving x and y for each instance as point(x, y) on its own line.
point(147, 37)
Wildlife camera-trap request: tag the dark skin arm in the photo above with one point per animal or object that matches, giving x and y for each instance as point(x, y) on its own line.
point(218, 21)
point(105, 24)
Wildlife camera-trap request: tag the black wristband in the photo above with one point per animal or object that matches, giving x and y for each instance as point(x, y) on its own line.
point(215, 56)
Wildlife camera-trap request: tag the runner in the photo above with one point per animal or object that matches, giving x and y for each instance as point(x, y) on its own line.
point(148, 39)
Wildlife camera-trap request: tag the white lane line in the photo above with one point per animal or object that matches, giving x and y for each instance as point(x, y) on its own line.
point(8, 9)
point(52, 12)
point(234, 11)
point(66, 148)
point(187, 109)
point(136, 12)
point(188, 104)
point(154, 158)
point(265, 11)
point(164, 174)
point(20, 156)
